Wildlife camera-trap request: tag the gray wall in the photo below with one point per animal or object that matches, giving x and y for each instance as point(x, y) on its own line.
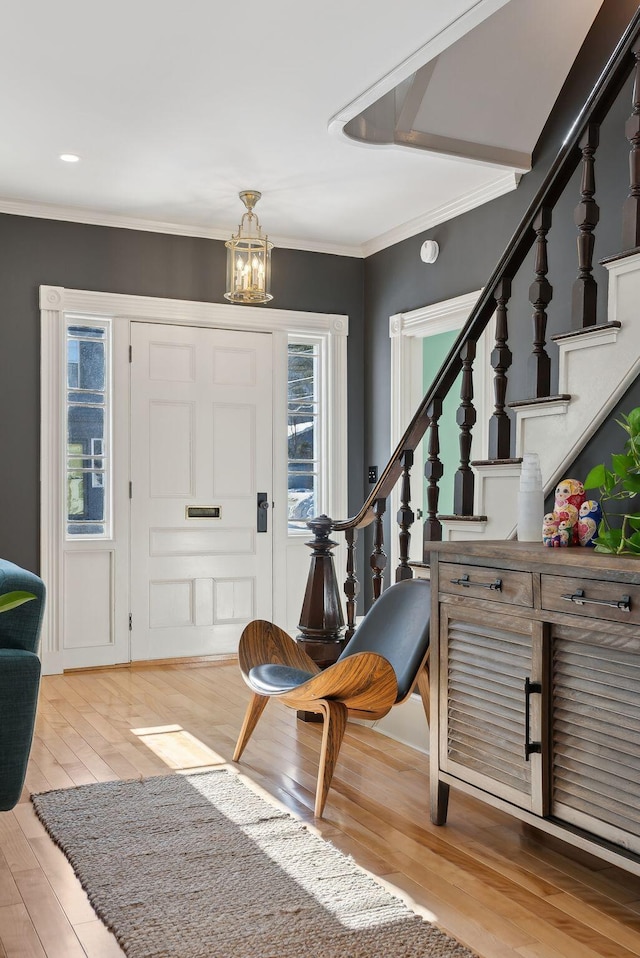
point(470, 245)
point(36, 251)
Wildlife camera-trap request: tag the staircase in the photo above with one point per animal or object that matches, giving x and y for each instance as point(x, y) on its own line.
point(556, 426)
point(597, 364)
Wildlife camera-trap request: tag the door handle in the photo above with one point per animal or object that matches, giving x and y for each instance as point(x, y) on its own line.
point(529, 746)
point(262, 509)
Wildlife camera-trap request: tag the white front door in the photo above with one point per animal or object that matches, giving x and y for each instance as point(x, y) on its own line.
point(201, 453)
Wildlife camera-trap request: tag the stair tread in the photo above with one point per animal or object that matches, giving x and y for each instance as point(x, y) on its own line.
point(563, 397)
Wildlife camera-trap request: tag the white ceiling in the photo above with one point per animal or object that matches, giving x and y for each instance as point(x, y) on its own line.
point(176, 107)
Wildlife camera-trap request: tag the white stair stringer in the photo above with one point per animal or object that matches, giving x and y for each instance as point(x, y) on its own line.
point(595, 370)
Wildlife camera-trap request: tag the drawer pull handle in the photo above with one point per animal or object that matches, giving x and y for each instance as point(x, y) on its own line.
point(624, 604)
point(495, 586)
point(529, 746)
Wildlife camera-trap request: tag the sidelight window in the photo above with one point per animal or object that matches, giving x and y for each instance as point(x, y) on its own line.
point(304, 427)
point(88, 430)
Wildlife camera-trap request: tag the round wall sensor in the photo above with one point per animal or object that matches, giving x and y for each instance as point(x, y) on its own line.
point(429, 251)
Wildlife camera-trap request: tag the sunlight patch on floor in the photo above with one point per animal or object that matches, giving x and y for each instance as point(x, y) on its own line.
point(178, 748)
point(317, 882)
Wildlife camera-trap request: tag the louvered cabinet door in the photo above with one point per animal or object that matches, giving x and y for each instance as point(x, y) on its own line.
point(485, 658)
point(596, 732)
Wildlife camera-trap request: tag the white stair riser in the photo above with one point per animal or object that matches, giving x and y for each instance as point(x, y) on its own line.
point(595, 370)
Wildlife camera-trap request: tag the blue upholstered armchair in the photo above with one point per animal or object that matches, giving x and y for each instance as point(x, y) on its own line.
point(19, 679)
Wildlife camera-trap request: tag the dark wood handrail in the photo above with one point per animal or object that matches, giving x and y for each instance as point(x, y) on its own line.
point(602, 97)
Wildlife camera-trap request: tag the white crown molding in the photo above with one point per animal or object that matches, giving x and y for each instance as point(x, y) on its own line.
point(70, 214)
point(504, 183)
point(433, 48)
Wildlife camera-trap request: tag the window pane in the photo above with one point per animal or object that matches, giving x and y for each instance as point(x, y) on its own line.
point(303, 424)
point(86, 397)
point(301, 437)
point(302, 495)
point(88, 332)
point(84, 424)
point(87, 429)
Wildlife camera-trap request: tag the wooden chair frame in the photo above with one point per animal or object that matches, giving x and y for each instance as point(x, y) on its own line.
point(362, 685)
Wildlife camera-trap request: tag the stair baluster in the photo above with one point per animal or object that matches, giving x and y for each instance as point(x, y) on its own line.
point(500, 424)
point(540, 295)
point(586, 215)
point(631, 207)
point(351, 584)
point(433, 471)
point(378, 559)
point(463, 485)
point(405, 518)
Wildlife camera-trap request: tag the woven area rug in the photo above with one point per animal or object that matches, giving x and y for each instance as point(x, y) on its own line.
point(200, 866)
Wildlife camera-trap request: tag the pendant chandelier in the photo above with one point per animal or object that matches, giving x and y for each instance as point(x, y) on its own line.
point(249, 258)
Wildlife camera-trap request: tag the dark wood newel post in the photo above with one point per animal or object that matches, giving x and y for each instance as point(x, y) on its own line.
point(321, 620)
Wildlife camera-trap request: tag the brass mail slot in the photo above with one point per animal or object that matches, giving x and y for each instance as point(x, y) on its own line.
point(202, 512)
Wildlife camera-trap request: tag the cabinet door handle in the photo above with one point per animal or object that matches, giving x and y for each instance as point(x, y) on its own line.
point(529, 746)
point(624, 604)
point(495, 586)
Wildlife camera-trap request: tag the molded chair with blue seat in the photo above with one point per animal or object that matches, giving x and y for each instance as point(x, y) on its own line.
point(19, 679)
point(381, 665)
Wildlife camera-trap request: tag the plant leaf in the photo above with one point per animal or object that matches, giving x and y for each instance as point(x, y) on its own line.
point(632, 483)
point(611, 538)
point(595, 478)
point(11, 600)
point(609, 481)
point(633, 421)
point(622, 464)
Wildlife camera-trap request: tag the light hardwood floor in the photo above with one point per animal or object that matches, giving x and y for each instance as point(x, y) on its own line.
point(498, 886)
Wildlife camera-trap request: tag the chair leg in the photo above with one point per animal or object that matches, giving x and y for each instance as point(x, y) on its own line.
point(424, 689)
point(255, 708)
point(335, 722)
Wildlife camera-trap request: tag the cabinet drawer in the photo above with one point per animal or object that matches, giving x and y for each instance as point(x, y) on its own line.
point(497, 585)
point(595, 598)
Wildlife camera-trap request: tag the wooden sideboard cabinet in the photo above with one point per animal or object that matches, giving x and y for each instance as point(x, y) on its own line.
point(535, 689)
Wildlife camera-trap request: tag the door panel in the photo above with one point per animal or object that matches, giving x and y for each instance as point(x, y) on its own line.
point(201, 450)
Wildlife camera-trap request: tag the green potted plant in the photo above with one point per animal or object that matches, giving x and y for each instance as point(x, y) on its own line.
point(11, 600)
point(619, 483)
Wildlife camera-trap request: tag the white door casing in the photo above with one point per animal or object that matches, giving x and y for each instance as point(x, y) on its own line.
point(201, 450)
point(60, 648)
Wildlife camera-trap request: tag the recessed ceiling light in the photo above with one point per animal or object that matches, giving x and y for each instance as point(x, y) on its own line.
point(69, 157)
